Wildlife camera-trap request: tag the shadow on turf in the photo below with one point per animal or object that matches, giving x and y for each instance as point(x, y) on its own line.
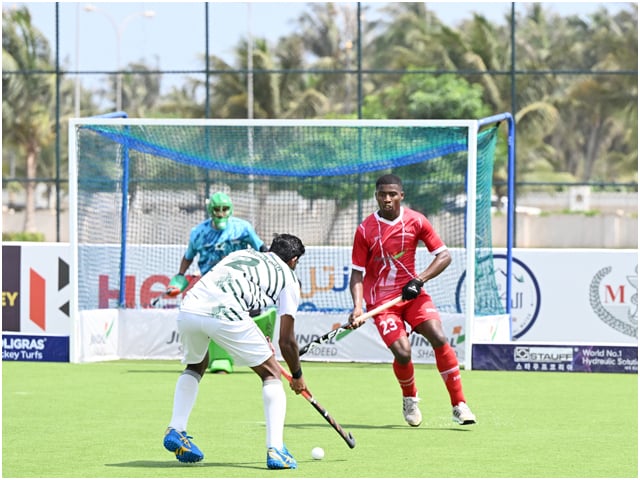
point(175, 464)
point(347, 426)
point(179, 370)
point(203, 464)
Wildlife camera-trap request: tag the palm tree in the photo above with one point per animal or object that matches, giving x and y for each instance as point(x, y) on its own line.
point(328, 33)
point(26, 98)
point(181, 102)
point(597, 109)
point(140, 90)
point(298, 96)
point(229, 94)
point(400, 38)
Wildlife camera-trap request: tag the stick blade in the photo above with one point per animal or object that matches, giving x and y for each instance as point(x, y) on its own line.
point(350, 440)
point(303, 350)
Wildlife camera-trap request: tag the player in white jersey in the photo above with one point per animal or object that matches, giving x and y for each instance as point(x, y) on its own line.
point(211, 241)
point(217, 307)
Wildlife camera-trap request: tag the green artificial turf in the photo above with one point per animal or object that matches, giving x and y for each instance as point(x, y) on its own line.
point(108, 420)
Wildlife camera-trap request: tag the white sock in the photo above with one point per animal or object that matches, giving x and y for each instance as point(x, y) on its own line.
point(275, 408)
point(183, 399)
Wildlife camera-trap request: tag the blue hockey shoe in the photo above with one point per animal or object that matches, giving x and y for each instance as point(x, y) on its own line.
point(180, 443)
point(280, 459)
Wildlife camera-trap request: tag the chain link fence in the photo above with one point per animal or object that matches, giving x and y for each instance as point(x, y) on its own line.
point(360, 81)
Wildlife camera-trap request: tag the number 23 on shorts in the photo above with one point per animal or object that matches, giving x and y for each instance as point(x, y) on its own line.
point(387, 325)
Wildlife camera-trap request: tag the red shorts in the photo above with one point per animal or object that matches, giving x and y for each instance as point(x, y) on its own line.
point(391, 322)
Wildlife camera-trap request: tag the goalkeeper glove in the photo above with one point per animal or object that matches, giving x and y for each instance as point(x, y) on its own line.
point(177, 285)
point(412, 289)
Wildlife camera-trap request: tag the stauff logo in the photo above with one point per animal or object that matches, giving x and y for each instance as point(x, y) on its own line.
point(543, 354)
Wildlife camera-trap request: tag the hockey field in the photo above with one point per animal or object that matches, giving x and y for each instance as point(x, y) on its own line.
point(108, 419)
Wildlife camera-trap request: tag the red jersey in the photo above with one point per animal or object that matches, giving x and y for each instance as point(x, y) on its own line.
point(386, 251)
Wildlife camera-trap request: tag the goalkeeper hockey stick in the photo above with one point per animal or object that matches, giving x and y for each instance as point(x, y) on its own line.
point(156, 300)
point(346, 436)
point(343, 328)
point(182, 285)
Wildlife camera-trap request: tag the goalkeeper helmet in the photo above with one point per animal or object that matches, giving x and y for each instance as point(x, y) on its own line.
point(220, 209)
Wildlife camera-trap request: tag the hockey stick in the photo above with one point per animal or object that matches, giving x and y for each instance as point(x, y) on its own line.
point(155, 301)
point(343, 328)
point(346, 436)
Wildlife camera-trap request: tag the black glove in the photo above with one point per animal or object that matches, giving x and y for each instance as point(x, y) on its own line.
point(412, 289)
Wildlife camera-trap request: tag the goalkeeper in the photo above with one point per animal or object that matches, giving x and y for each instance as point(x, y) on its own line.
point(212, 240)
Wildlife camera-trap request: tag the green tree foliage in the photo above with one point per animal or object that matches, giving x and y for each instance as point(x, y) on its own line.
point(574, 122)
point(422, 96)
point(27, 123)
point(597, 136)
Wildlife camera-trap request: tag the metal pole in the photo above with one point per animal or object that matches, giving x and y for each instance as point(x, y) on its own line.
point(119, 29)
point(207, 75)
point(514, 108)
point(77, 84)
point(251, 188)
point(57, 122)
point(249, 64)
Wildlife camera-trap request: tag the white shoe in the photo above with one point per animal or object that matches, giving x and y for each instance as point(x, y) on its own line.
point(463, 415)
point(411, 412)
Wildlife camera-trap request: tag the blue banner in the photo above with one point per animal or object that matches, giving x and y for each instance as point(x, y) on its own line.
point(555, 358)
point(35, 348)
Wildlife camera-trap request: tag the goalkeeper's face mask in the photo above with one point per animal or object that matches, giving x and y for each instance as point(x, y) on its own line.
point(220, 209)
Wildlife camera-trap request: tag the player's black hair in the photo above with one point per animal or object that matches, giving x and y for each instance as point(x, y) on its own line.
point(287, 246)
point(389, 179)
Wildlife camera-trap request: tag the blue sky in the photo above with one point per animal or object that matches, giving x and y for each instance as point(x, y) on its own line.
point(174, 37)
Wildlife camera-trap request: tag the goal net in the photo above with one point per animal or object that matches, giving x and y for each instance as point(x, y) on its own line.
point(138, 186)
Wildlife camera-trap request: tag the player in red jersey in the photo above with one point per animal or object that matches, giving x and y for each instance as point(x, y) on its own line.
point(383, 267)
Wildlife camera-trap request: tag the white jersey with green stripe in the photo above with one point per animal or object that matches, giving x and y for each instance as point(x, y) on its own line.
point(242, 281)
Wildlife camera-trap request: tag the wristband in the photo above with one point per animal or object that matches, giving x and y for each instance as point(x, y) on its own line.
point(297, 374)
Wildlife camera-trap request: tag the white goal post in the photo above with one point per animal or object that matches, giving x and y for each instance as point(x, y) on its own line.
point(137, 187)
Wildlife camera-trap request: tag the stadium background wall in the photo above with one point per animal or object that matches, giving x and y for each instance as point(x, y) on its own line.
point(617, 228)
point(576, 296)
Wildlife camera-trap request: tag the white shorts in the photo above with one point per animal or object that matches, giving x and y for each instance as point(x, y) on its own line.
point(242, 339)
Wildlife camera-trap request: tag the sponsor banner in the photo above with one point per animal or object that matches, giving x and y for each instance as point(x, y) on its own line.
point(491, 328)
point(149, 334)
point(36, 296)
point(365, 344)
point(556, 358)
point(45, 277)
point(11, 288)
point(35, 348)
point(152, 335)
point(324, 276)
point(96, 338)
point(146, 275)
point(36, 288)
point(587, 296)
point(583, 296)
point(361, 345)
point(558, 295)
